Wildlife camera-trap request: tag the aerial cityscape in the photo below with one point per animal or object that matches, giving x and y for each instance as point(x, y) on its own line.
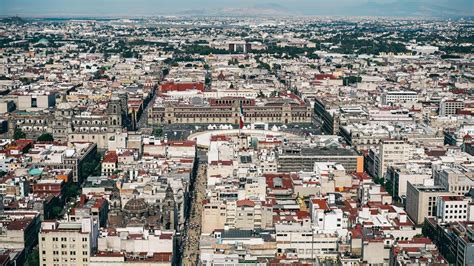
point(235, 134)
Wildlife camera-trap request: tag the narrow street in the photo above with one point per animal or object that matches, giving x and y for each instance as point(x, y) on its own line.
point(192, 231)
point(143, 120)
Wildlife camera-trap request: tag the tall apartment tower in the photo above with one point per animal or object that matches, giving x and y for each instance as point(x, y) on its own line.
point(422, 199)
point(390, 153)
point(67, 243)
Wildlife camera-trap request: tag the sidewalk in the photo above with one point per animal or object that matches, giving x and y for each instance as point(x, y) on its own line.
point(192, 230)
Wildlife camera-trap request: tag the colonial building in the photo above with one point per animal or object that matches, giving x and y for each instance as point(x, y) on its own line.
point(136, 211)
point(71, 122)
point(227, 111)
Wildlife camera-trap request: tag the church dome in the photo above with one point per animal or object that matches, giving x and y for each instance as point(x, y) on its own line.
point(136, 206)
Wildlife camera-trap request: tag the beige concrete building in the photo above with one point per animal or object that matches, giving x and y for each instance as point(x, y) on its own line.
point(375, 251)
point(401, 174)
point(6, 106)
point(391, 152)
point(19, 230)
point(42, 101)
point(301, 240)
point(458, 180)
point(213, 216)
point(421, 200)
point(241, 214)
point(67, 243)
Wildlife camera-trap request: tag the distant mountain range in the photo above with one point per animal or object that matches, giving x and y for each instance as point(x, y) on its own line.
point(265, 8)
point(415, 8)
point(257, 10)
point(395, 8)
point(13, 20)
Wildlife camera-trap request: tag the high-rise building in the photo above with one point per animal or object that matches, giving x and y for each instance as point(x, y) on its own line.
point(295, 159)
point(67, 243)
point(421, 200)
point(450, 107)
point(390, 153)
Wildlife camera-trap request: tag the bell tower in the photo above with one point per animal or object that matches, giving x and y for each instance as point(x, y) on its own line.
point(169, 209)
point(114, 113)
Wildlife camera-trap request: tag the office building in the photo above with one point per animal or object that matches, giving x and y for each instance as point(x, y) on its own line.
point(397, 97)
point(421, 200)
point(450, 107)
point(67, 243)
point(391, 152)
point(296, 159)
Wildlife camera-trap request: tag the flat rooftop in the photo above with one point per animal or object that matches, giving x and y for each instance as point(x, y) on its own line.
point(424, 188)
point(318, 152)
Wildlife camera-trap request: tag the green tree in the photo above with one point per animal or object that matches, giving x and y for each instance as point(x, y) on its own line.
point(33, 258)
point(71, 191)
point(91, 166)
point(351, 80)
point(158, 132)
point(389, 186)
point(233, 61)
point(207, 81)
point(56, 211)
point(46, 137)
point(18, 134)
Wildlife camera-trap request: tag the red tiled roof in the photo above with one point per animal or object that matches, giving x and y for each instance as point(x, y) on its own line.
point(286, 179)
point(221, 162)
point(324, 76)
point(323, 205)
point(19, 224)
point(302, 214)
point(452, 198)
point(110, 157)
point(245, 202)
point(171, 86)
point(219, 138)
point(166, 236)
point(356, 231)
point(163, 257)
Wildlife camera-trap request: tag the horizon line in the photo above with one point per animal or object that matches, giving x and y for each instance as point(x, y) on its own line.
point(279, 16)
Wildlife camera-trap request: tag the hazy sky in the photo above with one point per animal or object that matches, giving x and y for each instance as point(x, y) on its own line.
point(160, 7)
